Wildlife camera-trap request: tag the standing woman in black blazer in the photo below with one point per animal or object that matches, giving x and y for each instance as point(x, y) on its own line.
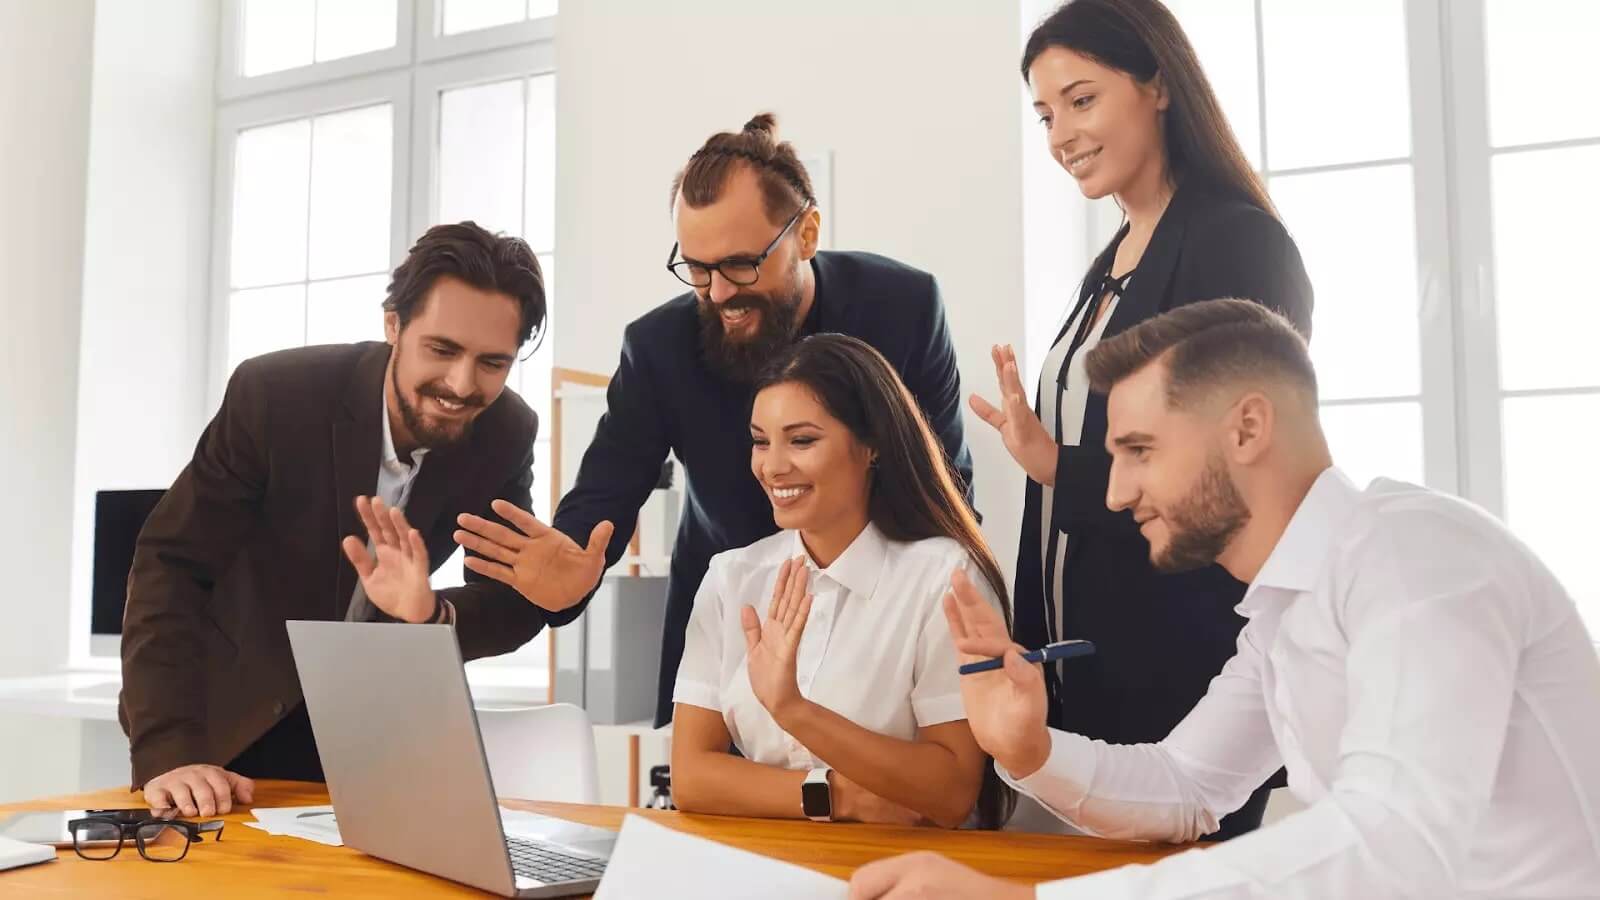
point(1129, 114)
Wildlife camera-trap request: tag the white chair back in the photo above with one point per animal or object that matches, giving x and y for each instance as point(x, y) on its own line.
point(541, 752)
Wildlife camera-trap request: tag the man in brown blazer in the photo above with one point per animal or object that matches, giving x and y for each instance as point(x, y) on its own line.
point(250, 533)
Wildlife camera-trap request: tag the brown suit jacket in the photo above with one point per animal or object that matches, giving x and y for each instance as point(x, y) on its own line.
point(248, 537)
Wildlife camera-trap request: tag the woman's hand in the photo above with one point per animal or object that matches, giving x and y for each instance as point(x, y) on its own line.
point(854, 803)
point(771, 646)
point(1024, 435)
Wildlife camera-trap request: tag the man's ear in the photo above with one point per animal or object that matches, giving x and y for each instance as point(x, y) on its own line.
point(391, 327)
point(1251, 423)
point(810, 228)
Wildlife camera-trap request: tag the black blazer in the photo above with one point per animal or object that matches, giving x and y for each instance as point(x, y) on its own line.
point(663, 397)
point(248, 537)
point(1160, 638)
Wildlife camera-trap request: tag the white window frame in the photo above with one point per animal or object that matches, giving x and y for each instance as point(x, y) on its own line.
point(410, 77)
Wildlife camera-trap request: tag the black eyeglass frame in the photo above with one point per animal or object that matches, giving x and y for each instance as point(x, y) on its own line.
point(191, 830)
point(754, 262)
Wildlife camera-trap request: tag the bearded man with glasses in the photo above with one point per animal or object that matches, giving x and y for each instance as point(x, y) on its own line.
point(747, 226)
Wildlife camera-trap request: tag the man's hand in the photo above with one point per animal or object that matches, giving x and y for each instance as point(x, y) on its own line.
point(1023, 434)
point(929, 876)
point(543, 564)
point(198, 790)
point(772, 646)
point(398, 582)
point(1005, 707)
point(854, 803)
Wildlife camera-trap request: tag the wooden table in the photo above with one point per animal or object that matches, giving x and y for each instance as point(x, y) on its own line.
point(251, 863)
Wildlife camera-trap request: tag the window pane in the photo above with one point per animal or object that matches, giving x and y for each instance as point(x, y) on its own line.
point(278, 35)
point(1548, 316)
point(348, 27)
point(351, 184)
point(480, 155)
point(540, 183)
point(1378, 439)
point(1550, 489)
point(264, 320)
point(541, 479)
point(1223, 33)
point(1337, 81)
point(470, 15)
point(346, 310)
point(538, 9)
point(1364, 335)
point(1535, 48)
point(270, 181)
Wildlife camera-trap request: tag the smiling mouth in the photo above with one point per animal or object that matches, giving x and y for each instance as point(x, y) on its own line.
point(1078, 162)
point(736, 316)
point(788, 494)
point(451, 407)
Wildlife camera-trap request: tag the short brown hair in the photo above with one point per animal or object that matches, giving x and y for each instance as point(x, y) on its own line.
point(785, 184)
point(499, 263)
point(1205, 345)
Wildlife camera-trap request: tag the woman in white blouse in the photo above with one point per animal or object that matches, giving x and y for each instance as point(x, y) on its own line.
point(822, 652)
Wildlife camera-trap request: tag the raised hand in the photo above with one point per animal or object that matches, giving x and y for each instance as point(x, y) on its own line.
point(1005, 707)
point(1023, 434)
point(543, 564)
point(771, 646)
point(397, 582)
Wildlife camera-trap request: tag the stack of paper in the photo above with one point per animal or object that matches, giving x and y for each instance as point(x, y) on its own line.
point(17, 853)
point(652, 860)
point(311, 823)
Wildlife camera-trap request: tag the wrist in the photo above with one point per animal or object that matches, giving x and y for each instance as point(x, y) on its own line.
point(426, 612)
point(791, 713)
point(1028, 755)
point(1045, 458)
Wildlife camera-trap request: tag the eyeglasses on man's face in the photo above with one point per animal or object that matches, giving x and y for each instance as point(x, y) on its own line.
point(738, 270)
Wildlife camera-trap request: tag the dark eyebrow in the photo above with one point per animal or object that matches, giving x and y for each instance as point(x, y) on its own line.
point(801, 425)
point(453, 346)
point(1068, 89)
point(732, 257)
point(1134, 437)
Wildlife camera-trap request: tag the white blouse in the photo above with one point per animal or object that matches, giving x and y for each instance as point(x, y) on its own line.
point(876, 647)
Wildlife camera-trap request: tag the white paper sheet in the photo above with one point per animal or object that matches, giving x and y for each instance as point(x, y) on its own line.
point(652, 860)
point(17, 853)
point(310, 823)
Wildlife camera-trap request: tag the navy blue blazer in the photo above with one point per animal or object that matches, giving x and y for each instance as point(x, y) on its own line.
point(664, 397)
point(1160, 638)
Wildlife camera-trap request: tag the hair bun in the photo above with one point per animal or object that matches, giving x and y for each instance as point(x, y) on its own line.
point(763, 122)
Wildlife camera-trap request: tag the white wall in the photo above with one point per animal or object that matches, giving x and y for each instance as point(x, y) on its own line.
point(45, 56)
point(142, 365)
point(917, 104)
point(105, 242)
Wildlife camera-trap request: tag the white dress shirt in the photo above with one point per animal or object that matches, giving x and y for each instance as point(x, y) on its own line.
point(396, 476)
point(876, 647)
point(1432, 691)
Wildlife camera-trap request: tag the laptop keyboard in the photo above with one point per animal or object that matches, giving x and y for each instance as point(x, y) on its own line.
point(539, 862)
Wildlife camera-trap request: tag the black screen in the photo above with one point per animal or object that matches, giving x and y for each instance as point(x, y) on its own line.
point(118, 517)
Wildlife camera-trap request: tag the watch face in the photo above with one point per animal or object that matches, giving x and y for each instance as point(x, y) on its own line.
point(816, 799)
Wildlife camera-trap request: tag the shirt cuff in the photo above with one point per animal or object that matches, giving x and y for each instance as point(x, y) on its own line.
point(696, 694)
point(938, 710)
point(1063, 781)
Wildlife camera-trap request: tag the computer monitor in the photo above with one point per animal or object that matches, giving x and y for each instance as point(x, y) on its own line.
point(118, 518)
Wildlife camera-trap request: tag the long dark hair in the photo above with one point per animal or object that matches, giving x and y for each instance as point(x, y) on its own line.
point(1143, 39)
point(915, 493)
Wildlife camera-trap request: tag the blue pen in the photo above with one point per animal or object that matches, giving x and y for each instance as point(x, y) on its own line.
point(1047, 653)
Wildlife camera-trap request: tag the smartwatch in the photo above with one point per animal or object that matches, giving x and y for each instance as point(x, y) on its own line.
point(816, 795)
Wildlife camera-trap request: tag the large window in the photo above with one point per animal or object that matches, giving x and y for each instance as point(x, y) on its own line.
point(346, 128)
point(1434, 162)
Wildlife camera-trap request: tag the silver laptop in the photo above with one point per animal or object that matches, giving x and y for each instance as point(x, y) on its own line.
point(406, 769)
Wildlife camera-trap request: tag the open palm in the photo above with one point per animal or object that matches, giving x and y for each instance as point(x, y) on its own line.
point(1020, 430)
point(1005, 707)
point(548, 568)
point(397, 581)
point(771, 646)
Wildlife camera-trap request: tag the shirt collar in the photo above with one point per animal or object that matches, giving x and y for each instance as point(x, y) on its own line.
point(391, 457)
point(1297, 559)
point(859, 566)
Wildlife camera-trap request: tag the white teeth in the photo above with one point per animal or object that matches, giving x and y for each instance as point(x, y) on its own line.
point(735, 315)
point(788, 493)
point(1076, 164)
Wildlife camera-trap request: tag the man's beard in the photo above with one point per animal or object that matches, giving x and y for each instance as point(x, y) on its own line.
point(742, 360)
point(1203, 523)
point(428, 432)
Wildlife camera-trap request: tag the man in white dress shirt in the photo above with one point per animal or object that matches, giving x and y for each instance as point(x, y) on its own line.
point(1425, 679)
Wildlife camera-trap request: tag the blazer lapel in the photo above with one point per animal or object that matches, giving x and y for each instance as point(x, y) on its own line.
point(357, 446)
point(1154, 272)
